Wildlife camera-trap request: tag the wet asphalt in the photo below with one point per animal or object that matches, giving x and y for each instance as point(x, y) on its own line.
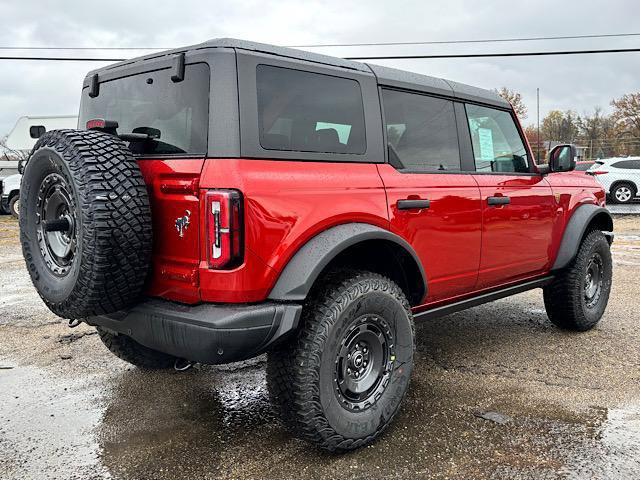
point(497, 392)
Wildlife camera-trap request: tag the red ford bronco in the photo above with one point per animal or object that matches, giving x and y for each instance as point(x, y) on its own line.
point(229, 199)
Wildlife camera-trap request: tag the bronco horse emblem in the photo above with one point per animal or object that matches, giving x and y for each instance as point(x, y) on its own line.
point(182, 223)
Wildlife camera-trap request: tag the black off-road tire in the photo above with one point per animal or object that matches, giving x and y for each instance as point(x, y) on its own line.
point(566, 300)
point(301, 373)
point(14, 206)
point(107, 250)
point(127, 349)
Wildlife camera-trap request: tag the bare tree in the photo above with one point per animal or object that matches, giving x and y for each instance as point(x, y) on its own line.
point(8, 153)
point(515, 99)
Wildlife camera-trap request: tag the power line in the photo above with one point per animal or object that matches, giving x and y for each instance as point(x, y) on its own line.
point(83, 48)
point(388, 57)
point(506, 54)
point(65, 59)
point(364, 44)
point(486, 40)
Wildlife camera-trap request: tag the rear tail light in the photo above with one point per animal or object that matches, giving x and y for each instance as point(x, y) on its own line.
point(597, 172)
point(224, 228)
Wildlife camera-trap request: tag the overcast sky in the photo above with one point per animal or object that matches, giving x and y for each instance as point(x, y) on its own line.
point(568, 82)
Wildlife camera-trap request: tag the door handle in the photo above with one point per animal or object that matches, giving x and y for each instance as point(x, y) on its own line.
point(412, 204)
point(498, 200)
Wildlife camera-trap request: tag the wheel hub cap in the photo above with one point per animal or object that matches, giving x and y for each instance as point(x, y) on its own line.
point(56, 222)
point(593, 280)
point(623, 194)
point(364, 362)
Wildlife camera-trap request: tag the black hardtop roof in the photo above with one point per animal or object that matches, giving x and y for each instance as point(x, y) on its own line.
point(385, 75)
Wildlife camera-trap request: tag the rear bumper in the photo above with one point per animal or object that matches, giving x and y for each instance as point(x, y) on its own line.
point(205, 333)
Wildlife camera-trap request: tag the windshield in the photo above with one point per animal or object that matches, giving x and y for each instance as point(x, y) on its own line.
point(176, 114)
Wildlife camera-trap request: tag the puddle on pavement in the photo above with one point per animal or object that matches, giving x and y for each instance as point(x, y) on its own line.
point(218, 423)
point(46, 425)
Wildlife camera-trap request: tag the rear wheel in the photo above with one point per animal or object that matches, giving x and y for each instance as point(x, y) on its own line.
point(342, 380)
point(130, 351)
point(14, 206)
point(623, 193)
point(578, 296)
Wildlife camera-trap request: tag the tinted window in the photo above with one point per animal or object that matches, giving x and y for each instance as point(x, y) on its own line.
point(627, 164)
point(309, 112)
point(497, 145)
point(421, 132)
point(179, 111)
point(583, 166)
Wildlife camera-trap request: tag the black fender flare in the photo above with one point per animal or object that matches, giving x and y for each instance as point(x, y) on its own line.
point(576, 227)
point(302, 270)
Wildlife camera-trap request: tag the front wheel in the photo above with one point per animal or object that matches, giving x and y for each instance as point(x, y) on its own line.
point(14, 206)
point(578, 296)
point(342, 380)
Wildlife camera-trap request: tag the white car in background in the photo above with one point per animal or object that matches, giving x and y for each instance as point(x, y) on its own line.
point(10, 194)
point(619, 176)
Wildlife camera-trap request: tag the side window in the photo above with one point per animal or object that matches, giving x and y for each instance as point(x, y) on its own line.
point(497, 145)
point(421, 132)
point(309, 112)
point(627, 164)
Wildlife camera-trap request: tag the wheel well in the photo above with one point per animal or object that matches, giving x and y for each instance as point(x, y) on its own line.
point(619, 182)
point(386, 258)
point(602, 221)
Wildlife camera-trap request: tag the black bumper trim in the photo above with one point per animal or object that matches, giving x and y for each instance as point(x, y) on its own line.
point(206, 333)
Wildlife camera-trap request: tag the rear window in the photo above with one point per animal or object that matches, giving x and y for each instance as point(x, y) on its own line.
point(152, 103)
point(309, 112)
point(583, 166)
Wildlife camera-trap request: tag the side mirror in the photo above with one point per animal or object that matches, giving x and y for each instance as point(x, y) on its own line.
point(562, 158)
point(36, 131)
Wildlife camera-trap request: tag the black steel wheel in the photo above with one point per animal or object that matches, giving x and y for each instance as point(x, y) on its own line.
point(578, 296)
point(341, 381)
point(594, 280)
point(364, 362)
point(56, 220)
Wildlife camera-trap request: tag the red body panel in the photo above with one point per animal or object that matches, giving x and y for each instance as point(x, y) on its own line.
point(446, 236)
point(286, 203)
point(465, 246)
point(174, 192)
point(516, 238)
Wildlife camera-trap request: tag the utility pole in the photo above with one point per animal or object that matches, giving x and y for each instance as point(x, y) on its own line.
point(538, 115)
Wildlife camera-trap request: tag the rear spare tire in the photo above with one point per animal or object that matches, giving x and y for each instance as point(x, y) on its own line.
point(85, 223)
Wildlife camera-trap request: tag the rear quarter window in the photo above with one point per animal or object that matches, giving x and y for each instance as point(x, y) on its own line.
point(309, 112)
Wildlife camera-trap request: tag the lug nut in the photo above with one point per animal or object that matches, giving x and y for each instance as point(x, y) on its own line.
point(357, 374)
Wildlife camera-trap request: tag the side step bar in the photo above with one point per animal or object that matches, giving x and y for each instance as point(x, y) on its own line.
point(484, 298)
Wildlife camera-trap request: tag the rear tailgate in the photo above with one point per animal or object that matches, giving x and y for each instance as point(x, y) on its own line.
point(173, 193)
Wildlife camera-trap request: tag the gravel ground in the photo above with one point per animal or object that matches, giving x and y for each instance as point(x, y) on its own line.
point(497, 392)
